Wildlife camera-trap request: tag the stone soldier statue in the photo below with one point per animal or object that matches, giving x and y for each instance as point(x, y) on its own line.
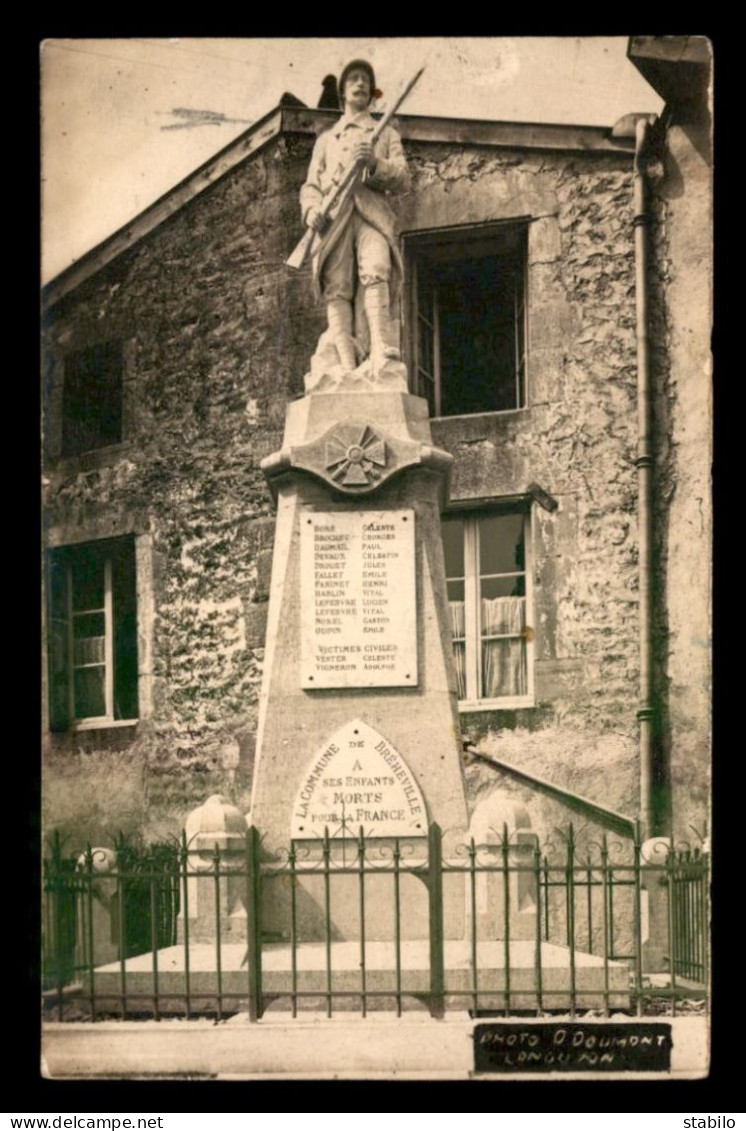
point(357, 269)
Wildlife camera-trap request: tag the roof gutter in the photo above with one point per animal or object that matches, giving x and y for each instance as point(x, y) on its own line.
point(644, 464)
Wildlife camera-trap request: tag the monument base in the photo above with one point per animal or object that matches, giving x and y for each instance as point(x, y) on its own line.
point(358, 732)
point(339, 971)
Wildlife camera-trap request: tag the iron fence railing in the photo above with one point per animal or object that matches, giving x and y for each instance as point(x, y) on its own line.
point(687, 877)
point(506, 927)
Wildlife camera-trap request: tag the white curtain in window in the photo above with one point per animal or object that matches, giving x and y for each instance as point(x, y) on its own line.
point(89, 650)
point(458, 625)
point(504, 669)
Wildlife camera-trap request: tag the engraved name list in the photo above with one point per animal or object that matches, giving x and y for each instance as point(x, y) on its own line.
point(358, 606)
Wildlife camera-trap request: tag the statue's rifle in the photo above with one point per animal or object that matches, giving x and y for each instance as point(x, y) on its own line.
point(341, 190)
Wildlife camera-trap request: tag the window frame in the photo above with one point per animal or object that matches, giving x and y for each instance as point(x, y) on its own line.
point(472, 577)
point(63, 558)
point(70, 446)
point(418, 247)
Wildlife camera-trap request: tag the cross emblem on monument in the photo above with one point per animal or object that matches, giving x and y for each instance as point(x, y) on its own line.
point(353, 456)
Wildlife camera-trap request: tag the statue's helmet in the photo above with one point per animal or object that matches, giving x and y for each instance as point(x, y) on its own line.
point(357, 65)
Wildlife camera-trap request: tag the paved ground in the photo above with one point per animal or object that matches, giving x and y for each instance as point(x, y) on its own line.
point(378, 1047)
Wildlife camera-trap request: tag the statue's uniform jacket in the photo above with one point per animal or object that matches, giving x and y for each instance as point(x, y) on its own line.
point(331, 156)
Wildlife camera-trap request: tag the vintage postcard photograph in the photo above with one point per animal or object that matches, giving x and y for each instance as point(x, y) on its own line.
point(377, 437)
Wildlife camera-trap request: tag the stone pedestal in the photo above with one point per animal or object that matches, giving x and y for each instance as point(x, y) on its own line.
point(503, 840)
point(358, 722)
point(215, 825)
point(655, 896)
point(96, 939)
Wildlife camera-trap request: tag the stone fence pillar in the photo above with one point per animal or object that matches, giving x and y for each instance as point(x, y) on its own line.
point(490, 820)
point(96, 937)
point(655, 897)
point(215, 824)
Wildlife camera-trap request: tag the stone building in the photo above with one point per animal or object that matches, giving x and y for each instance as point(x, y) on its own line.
point(171, 351)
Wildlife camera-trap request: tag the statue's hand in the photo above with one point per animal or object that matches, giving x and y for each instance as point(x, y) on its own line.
point(316, 220)
point(362, 152)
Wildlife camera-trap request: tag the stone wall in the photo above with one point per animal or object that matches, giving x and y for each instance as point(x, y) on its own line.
point(681, 326)
point(218, 334)
point(577, 440)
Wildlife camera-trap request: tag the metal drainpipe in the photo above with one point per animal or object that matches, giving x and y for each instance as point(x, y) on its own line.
point(644, 464)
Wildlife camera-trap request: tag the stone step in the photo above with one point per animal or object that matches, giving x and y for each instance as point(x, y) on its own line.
point(519, 991)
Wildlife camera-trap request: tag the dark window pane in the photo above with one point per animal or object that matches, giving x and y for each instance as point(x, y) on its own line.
point(91, 624)
point(493, 587)
point(520, 336)
point(92, 398)
point(480, 285)
point(431, 402)
point(501, 544)
point(477, 336)
point(90, 698)
point(453, 547)
point(125, 635)
point(425, 347)
point(426, 389)
point(88, 581)
point(455, 591)
point(425, 295)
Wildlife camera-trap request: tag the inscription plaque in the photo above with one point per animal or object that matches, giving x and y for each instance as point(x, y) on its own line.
point(358, 780)
point(358, 599)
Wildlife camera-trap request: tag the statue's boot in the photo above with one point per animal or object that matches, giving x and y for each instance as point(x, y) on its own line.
point(339, 316)
point(383, 346)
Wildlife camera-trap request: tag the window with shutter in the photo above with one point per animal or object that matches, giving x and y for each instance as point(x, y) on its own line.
point(92, 633)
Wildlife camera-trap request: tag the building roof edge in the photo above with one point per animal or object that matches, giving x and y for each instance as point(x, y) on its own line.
point(289, 120)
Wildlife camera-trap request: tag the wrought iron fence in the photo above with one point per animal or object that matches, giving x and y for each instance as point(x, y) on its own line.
point(506, 927)
point(140, 911)
point(687, 875)
point(59, 920)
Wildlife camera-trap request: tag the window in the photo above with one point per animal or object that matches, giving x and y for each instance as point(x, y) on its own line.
point(488, 579)
point(92, 634)
point(467, 314)
point(92, 398)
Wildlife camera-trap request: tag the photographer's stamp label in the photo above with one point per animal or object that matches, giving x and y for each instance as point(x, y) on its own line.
point(572, 1047)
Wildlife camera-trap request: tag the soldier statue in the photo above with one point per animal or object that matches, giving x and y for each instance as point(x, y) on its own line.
point(357, 269)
